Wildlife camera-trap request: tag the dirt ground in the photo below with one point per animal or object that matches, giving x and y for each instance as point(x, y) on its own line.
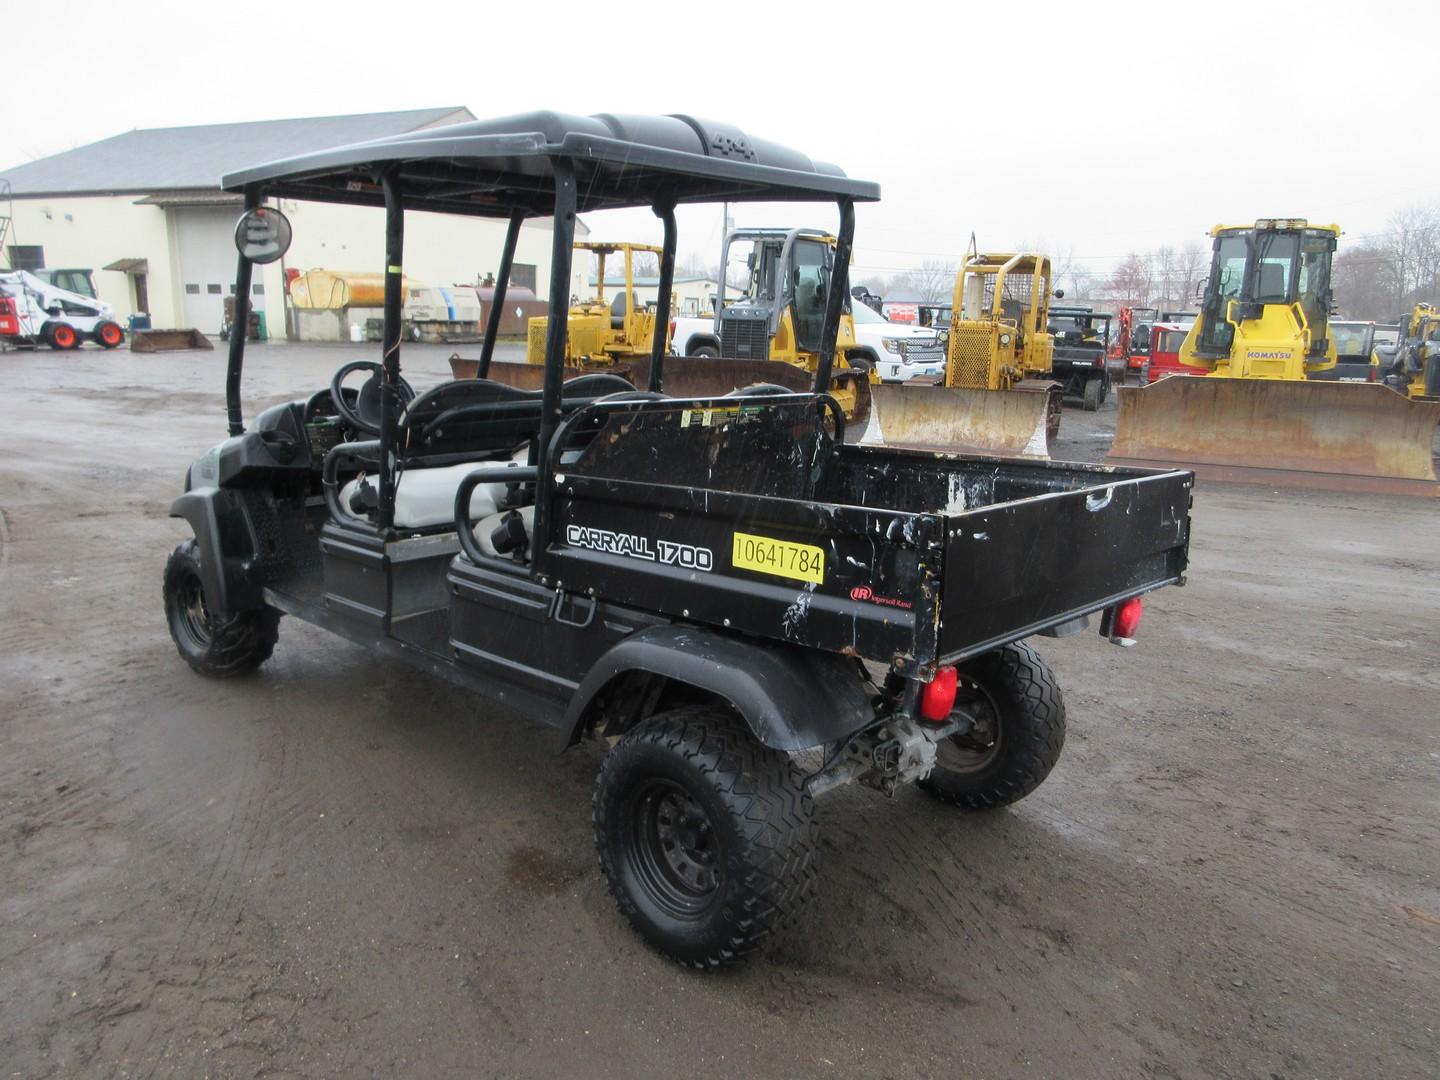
point(339, 867)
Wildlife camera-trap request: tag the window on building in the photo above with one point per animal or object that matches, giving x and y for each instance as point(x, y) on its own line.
point(213, 290)
point(523, 274)
point(257, 289)
point(192, 290)
point(27, 257)
point(232, 288)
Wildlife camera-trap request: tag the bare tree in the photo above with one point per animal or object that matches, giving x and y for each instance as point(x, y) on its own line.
point(1131, 283)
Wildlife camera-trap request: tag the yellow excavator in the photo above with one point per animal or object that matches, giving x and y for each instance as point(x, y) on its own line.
point(1412, 366)
point(996, 397)
point(1255, 416)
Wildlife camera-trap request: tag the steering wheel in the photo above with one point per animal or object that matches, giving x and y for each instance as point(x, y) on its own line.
point(364, 415)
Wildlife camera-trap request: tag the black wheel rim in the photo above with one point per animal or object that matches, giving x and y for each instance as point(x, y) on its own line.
point(974, 750)
point(673, 849)
point(192, 617)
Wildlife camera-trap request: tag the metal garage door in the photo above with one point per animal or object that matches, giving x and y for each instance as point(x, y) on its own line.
point(205, 236)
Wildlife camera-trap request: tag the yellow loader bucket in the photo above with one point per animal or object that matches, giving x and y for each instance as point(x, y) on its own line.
point(1341, 436)
point(1003, 423)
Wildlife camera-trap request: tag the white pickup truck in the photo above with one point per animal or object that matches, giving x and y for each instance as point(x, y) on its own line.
point(900, 353)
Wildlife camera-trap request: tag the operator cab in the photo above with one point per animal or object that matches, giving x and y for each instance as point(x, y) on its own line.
point(1275, 262)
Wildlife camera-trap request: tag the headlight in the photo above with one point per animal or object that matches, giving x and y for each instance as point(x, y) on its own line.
point(1004, 339)
point(892, 345)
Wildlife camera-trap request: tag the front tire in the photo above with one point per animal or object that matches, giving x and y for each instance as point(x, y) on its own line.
point(1092, 395)
point(215, 645)
point(706, 838)
point(108, 335)
point(708, 352)
point(1018, 736)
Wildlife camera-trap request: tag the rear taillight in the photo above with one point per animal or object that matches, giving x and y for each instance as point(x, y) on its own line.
point(937, 697)
point(1120, 622)
point(1372, 374)
point(672, 328)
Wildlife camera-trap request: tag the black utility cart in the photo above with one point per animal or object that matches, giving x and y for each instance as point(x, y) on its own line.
point(712, 586)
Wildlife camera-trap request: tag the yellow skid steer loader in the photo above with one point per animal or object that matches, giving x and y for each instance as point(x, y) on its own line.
point(992, 401)
point(1254, 416)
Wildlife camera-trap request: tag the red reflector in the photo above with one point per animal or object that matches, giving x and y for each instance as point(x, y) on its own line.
point(938, 696)
point(1127, 617)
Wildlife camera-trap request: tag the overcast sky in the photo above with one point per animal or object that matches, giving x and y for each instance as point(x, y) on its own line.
point(1102, 128)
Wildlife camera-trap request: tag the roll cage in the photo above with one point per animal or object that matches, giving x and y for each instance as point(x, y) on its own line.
point(528, 166)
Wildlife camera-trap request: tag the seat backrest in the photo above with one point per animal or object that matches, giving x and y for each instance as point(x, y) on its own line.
point(617, 311)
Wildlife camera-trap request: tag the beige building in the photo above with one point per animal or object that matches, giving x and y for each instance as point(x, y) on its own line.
point(144, 212)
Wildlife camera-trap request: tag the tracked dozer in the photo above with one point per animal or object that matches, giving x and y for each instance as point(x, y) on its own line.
point(996, 397)
point(1412, 366)
point(1258, 417)
point(769, 334)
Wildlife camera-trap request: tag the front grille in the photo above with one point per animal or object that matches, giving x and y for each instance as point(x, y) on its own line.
point(535, 340)
point(969, 361)
point(745, 339)
point(927, 352)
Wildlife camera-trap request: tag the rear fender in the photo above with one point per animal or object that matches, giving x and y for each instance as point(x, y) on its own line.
point(791, 698)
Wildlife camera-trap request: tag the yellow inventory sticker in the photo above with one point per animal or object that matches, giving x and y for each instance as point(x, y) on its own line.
point(766, 555)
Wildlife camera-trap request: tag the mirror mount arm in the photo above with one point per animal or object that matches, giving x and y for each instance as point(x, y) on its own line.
point(239, 330)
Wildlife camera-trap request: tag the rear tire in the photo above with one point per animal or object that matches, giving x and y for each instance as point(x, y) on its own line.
point(61, 336)
point(1092, 395)
point(708, 351)
point(211, 644)
point(706, 838)
point(1019, 702)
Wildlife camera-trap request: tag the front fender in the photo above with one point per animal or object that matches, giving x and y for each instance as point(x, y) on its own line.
point(791, 698)
point(226, 540)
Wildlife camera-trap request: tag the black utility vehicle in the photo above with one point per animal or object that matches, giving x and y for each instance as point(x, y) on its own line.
point(710, 585)
point(1081, 344)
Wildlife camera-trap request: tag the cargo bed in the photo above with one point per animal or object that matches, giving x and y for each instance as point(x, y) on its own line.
point(753, 516)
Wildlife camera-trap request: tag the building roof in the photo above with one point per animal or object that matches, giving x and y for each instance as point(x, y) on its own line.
point(195, 158)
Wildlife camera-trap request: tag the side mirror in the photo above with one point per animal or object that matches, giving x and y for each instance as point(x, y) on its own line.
point(262, 235)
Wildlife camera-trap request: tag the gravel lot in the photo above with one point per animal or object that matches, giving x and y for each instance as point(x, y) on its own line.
point(339, 867)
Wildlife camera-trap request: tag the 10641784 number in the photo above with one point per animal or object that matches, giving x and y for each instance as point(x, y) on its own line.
point(782, 558)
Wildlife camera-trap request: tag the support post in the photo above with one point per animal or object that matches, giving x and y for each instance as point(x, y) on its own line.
point(666, 213)
point(835, 300)
point(562, 252)
point(390, 341)
point(497, 301)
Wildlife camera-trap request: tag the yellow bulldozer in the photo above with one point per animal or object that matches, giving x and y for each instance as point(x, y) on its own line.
point(995, 397)
point(1412, 366)
point(1255, 416)
point(602, 333)
point(782, 277)
point(768, 333)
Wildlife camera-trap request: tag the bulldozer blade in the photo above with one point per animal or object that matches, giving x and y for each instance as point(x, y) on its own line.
point(1333, 435)
point(690, 376)
point(1002, 423)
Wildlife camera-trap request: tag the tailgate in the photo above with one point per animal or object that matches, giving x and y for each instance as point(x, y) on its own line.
point(1016, 568)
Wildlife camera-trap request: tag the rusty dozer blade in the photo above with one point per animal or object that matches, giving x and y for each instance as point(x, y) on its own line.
point(958, 420)
point(691, 376)
point(1340, 436)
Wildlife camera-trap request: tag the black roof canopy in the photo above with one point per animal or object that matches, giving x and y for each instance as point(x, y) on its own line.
point(492, 167)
